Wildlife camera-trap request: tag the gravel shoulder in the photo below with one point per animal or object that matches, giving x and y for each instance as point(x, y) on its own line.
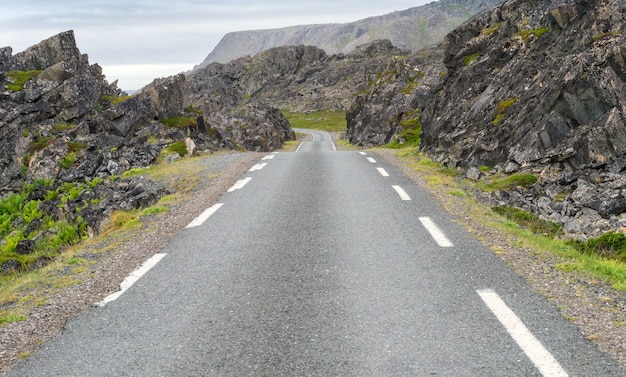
point(597, 308)
point(212, 175)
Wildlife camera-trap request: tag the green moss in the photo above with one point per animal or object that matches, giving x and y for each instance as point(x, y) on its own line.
point(411, 131)
point(76, 146)
point(179, 147)
point(180, 121)
point(492, 29)
point(602, 36)
point(512, 181)
point(114, 100)
point(41, 143)
point(469, 59)
point(537, 33)
point(530, 221)
point(501, 110)
point(19, 78)
point(609, 245)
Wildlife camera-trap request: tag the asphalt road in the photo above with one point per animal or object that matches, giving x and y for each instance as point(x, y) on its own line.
point(322, 263)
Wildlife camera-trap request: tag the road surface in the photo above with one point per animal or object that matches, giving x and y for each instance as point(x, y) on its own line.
point(322, 263)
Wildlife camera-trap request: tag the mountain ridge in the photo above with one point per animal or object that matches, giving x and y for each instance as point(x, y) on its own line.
point(411, 29)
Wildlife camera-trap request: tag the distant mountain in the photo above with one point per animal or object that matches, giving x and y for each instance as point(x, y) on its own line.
point(411, 29)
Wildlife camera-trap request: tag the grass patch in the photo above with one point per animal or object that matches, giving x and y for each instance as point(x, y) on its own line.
point(512, 181)
point(501, 110)
point(329, 121)
point(492, 29)
point(19, 78)
point(530, 221)
point(11, 317)
point(469, 59)
point(114, 100)
point(525, 34)
point(179, 147)
point(411, 131)
point(609, 245)
point(180, 121)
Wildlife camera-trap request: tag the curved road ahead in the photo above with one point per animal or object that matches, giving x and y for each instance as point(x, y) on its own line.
point(322, 263)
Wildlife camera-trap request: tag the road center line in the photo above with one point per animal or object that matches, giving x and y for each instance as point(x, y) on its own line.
point(269, 157)
point(132, 278)
point(435, 232)
point(371, 159)
point(258, 166)
point(543, 360)
point(383, 172)
point(402, 193)
point(363, 153)
point(240, 184)
point(204, 215)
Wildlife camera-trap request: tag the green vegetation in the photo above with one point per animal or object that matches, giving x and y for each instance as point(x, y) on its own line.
point(512, 181)
point(7, 318)
point(179, 147)
point(68, 160)
point(469, 59)
point(410, 134)
point(602, 258)
point(180, 121)
point(537, 33)
point(501, 110)
point(330, 121)
point(492, 29)
point(41, 143)
point(530, 221)
point(19, 78)
point(76, 146)
point(609, 245)
point(61, 127)
point(413, 82)
point(603, 36)
point(114, 100)
point(22, 220)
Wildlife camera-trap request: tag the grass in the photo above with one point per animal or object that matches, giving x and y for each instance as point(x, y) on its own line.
point(501, 110)
point(602, 259)
point(469, 59)
point(19, 79)
point(511, 182)
point(180, 121)
point(525, 34)
point(179, 147)
point(114, 100)
point(329, 121)
point(410, 135)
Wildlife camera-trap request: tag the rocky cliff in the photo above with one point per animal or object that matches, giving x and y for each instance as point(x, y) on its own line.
point(534, 87)
point(411, 29)
point(297, 78)
point(64, 127)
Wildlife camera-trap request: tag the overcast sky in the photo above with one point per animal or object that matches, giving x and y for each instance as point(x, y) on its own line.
point(136, 41)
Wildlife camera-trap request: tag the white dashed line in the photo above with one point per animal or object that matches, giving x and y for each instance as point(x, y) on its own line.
point(269, 157)
point(258, 167)
point(204, 216)
point(132, 278)
point(402, 193)
point(543, 360)
point(363, 153)
point(383, 172)
point(299, 146)
point(435, 232)
point(372, 160)
point(240, 184)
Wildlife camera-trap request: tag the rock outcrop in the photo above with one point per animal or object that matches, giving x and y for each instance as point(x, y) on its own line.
point(297, 78)
point(61, 123)
point(410, 29)
point(524, 87)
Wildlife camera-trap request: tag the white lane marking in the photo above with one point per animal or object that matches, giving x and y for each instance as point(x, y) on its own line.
point(543, 360)
point(204, 215)
point(372, 160)
point(240, 184)
point(269, 157)
point(299, 146)
point(258, 166)
point(383, 172)
point(402, 193)
point(435, 232)
point(363, 153)
point(132, 278)
point(332, 144)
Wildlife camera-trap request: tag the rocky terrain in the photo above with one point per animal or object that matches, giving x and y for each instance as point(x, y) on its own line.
point(70, 135)
point(525, 87)
point(410, 29)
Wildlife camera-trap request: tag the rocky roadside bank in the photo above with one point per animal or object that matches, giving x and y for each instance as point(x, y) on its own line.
point(212, 176)
point(597, 308)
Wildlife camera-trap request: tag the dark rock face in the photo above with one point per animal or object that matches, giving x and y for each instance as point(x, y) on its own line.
point(297, 78)
point(524, 87)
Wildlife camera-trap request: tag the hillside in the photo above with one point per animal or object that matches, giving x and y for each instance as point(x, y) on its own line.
point(411, 29)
